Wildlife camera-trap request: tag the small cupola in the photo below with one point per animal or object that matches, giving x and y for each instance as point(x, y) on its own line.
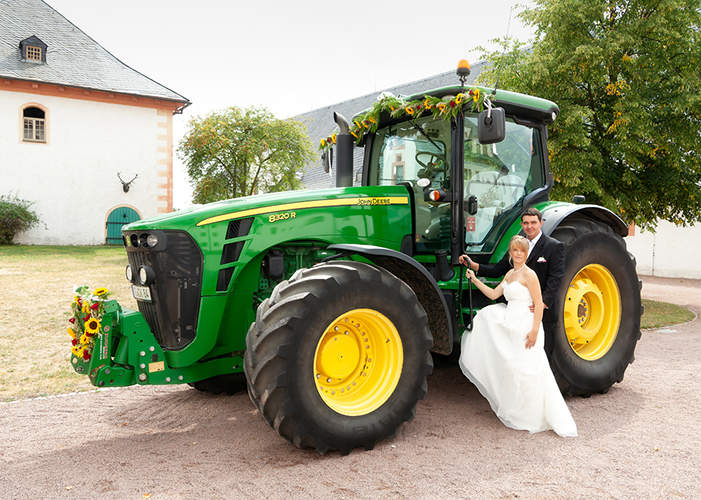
point(33, 50)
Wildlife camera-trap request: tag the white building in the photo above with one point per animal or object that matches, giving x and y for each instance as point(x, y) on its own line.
point(73, 117)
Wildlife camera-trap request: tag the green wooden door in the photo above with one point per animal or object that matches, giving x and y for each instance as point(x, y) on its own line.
point(115, 220)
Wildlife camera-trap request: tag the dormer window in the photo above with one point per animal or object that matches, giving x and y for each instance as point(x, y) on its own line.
point(33, 50)
point(34, 53)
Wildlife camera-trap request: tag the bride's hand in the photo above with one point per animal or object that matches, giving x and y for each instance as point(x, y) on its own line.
point(470, 274)
point(531, 338)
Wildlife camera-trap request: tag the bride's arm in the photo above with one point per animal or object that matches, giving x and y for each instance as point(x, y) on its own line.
point(534, 287)
point(491, 293)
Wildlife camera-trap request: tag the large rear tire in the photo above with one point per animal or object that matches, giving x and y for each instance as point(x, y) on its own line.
point(600, 309)
point(338, 356)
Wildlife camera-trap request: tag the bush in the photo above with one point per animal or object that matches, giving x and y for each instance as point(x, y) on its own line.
point(15, 217)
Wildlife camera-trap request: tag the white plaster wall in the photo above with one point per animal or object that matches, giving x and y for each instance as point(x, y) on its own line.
point(667, 253)
point(73, 178)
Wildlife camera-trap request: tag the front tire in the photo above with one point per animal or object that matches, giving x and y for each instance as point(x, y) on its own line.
point(338, 356)
point(600, 309)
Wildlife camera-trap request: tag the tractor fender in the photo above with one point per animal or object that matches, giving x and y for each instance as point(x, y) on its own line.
point(420, 281)
point(555, 214)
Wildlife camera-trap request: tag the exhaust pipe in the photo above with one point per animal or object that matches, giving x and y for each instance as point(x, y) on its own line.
point(344, 154)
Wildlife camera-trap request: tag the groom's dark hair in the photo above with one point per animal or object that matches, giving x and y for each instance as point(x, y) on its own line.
point(532, 211)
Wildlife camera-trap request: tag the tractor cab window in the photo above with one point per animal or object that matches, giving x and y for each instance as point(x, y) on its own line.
point(499, 176)
point(405, 153)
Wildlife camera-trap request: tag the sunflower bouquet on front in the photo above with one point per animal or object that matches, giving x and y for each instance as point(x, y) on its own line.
point(88, 309)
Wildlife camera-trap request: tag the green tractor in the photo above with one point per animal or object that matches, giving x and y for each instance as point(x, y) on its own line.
point(326, 305)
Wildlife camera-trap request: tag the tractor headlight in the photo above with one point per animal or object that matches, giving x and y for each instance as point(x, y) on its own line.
point(151, 240)
point(129, 273)
point(146, 275)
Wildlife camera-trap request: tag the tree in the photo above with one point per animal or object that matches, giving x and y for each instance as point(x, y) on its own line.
point(16, 217)
point(239, 152)
point(626, 76)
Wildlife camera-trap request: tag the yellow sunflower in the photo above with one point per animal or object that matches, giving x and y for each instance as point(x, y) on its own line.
point(333, 138)
point(101, 291)
point(78, 350)
point(323, 143)
point(92, 325)
point(476, 95)
point(71, 332)
point(84, 339)
point(410, 110)
point(458, 99)
point(441, 106)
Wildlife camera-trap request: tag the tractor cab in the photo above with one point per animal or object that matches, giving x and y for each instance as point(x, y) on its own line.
point(449, 171)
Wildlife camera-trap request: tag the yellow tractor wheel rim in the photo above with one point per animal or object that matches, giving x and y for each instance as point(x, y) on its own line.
point(592, 312)
point(358, 362)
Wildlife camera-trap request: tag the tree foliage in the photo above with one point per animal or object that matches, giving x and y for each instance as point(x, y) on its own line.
point(239, 152)
point(16, 216)
point(627, 77)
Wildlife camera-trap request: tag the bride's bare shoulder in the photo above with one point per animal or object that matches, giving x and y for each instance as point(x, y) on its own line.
point(530, 275)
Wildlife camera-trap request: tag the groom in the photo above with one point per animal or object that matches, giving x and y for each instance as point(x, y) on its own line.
point(546, 256)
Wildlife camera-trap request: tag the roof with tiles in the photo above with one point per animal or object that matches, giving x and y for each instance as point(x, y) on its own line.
point(320, 122)
point(73, 59)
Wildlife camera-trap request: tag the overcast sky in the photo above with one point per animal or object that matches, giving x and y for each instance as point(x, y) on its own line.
point(290, 56)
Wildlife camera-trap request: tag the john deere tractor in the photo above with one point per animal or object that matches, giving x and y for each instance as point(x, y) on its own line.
point(326, 305)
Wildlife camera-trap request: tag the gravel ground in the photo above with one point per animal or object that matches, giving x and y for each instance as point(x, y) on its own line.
point(639, 441)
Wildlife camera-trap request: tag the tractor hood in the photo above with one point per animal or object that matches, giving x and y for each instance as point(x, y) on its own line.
point(203, 215)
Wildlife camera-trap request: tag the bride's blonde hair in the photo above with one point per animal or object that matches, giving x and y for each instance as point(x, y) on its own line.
point(519, 242)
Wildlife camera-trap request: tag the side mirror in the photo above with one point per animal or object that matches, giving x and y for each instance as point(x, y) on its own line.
point(491, 127)
point(327, 160)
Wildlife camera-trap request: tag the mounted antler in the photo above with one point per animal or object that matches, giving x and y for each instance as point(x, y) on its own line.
point(125, 185)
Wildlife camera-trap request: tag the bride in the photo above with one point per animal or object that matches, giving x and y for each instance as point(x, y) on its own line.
point(503, 354)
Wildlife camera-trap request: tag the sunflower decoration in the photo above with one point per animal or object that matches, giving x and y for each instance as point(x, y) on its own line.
point(440, 107)
point(86, 322)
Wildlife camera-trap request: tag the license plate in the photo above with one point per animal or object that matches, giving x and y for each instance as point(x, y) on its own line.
point(142, 293)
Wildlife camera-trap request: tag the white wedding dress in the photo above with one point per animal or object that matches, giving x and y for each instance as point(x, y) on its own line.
point(517, 382)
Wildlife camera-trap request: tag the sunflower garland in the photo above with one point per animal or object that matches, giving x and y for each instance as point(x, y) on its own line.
point(88, 309)
point(446, 107)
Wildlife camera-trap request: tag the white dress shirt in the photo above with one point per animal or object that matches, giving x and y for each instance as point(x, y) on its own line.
point(531, 243)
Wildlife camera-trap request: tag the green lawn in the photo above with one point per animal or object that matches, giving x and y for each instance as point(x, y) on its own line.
point(659, 314)
point(36, 290)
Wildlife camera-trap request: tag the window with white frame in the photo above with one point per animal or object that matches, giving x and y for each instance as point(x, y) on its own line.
point(34, 125)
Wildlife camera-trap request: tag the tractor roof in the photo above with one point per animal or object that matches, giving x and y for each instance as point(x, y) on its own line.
point(512, 102)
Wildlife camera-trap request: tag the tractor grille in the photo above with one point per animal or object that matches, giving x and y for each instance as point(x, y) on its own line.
point(172, 315)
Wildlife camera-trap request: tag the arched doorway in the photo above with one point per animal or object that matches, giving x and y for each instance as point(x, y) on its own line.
point(117, 218)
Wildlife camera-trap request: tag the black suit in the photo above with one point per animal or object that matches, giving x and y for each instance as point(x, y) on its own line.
point(547, 259)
